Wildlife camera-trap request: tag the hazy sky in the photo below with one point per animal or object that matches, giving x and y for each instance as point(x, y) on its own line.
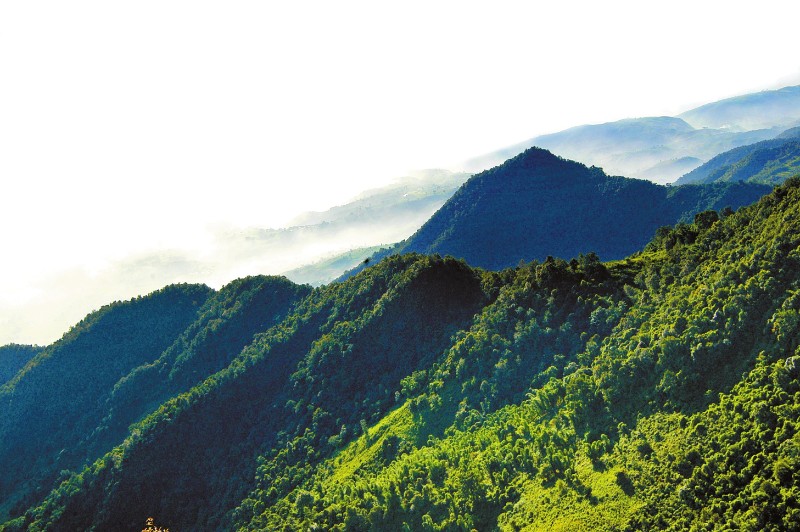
point(127, 127)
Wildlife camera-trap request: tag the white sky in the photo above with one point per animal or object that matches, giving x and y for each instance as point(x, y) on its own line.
point(132, 126)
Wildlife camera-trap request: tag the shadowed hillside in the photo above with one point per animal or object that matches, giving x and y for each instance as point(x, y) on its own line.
point(538, 204)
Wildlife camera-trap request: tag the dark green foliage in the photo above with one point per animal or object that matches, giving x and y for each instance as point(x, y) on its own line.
point(225, 325)
point(683, 324)
point(13, 357)
point(304, 385)
point(54, 404)
point(657, 392)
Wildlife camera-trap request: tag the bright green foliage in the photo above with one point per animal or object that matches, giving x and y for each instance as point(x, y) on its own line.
point(661, 391)
point(615, 433)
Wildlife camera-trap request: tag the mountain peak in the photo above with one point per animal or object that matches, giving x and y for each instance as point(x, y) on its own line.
point(538, 204)
point(538, 164)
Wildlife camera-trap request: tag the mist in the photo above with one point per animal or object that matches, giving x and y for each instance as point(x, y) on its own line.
point(43, 309)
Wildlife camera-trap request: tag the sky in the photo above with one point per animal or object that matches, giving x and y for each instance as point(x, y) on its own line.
point(130, 130)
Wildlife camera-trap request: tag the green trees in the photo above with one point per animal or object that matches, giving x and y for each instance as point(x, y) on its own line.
point(54, 405)
point(656, 392)
point(638, 420)
point(13, 358)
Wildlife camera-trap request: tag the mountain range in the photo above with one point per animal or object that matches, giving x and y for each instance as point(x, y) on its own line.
point(383, 215)
point(758, 110)
point(653, 392)
point(554, 348)
point(664, 148)
point(770, 161)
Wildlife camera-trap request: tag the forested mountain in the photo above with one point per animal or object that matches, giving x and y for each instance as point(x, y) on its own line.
point(13, 357)
point(655, 392)
point(770, 161)
point(791, 133)
point(50, 407)
point(538, 204)
point(374, 217)
point(78, 397)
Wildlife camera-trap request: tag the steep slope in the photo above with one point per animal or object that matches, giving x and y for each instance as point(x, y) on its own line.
point(51, 406)
point(12, 359)
point(332, 363)
point(537, 204)
point(225, 325)
point(672, 405)
point(654, 392)
point(771, 162)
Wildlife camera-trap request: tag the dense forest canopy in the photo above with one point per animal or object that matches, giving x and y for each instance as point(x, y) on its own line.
point(659, 391)
point(13, 358)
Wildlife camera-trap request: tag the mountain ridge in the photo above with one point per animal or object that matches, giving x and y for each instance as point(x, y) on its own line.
point(538, 204)
point(643, 147)
point(13, 358)
point(426, 393)
point(770, 161)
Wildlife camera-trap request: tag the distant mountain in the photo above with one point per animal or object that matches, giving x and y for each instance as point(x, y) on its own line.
point(407, 197)
point(382, 215)
point(379, 216)
point(330, 269)
point(725, 159)
point(760, 110)
point(791, 133)
point(538, 204)
point(648, 148)
point(13, 357)
point(645, 148)
point(671, 167)
point(770, 161)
